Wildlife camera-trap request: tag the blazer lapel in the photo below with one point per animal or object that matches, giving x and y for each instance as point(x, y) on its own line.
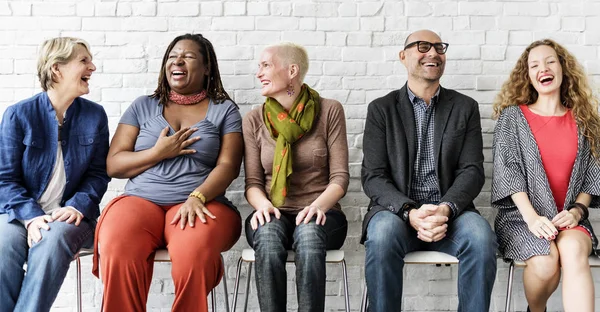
point(407, 116)
point(442, 114)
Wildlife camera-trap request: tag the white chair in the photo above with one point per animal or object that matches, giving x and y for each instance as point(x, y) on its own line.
point(594, 263)
point(162, 255)
point(418, 257)
point(333, 256)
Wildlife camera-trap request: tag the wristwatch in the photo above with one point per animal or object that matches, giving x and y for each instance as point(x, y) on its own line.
point(405, 213)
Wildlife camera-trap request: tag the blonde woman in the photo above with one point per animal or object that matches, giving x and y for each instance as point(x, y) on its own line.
point(546, 172)
point(296, 161)
point(53, 151)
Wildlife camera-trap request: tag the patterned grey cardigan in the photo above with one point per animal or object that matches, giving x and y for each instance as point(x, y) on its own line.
point(518, 168)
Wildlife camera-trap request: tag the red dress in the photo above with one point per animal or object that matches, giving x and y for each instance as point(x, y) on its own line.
point(556, 138)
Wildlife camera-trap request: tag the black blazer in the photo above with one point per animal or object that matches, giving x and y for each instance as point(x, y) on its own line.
point(390, 149)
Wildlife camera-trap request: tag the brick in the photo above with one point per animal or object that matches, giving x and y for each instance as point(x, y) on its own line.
point(496, 37)
point(53, 9)
point(281, 8)
point(234, 8)
point(314, 9)
point(303, 37)
point(24, 67)
point(445, 9)
point(438, 24)
point(34, 37)
point(94, 38)
point(106, 9)
point(361, 54)
point(233, 23)
point(418, 8)
point(370, 8)
point(463, 37)
point(128, 66)
point(211, 8)
point(335, 38)
point(396, 23)
point(257, 8)
point(20, 8)
point(463, 52)
point(307, 23)
point(347, 9)
point(6, 67)
point(372, 23)
point(40, 23)
point(5, 9)
point(337, 24)
point(193, 24)
point(391, 9)
point(359, 39)
point(178, 9)
point(479, 8)
point(573, 24)
point(263, 37)
point(527, 9)
point(493, 53)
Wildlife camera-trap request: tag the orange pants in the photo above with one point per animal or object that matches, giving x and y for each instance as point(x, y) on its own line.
point(131, 229)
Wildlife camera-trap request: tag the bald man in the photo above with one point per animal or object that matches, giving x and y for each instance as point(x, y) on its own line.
point(422, 169)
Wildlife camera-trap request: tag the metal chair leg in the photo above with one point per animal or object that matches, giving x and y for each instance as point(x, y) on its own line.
point(78, 265)
point(248, 287)
point(236, 286)
point(346, 294)
point(213, 297)
point(511, 272)
point(226, 294)
point(363, 304)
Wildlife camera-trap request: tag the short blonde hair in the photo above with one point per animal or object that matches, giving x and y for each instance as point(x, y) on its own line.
point(56, 51)
point(291, 53)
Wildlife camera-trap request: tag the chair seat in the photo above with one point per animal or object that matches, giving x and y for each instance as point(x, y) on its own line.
point(429, 257)
point(333, 256)
point(162, 255)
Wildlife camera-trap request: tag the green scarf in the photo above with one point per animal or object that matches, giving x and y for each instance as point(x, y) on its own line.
point(288, 128)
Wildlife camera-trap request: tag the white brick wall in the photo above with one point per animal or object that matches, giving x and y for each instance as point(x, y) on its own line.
point(353, 46)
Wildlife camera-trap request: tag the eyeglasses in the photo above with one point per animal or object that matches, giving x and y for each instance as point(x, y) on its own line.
point(425, 46)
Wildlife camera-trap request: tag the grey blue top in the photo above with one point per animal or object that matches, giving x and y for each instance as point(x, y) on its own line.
point(172, 180)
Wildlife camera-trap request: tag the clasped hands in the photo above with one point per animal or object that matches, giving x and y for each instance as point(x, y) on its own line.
point(65, 214)
point(541, 227)
point(430, 222)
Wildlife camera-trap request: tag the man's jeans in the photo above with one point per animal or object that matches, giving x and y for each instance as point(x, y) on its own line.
point(469, 238)
point(47, 263)
point(310, 242)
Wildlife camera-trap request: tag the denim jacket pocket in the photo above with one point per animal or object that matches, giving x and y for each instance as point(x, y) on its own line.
point(87, 139)
point(33, 141)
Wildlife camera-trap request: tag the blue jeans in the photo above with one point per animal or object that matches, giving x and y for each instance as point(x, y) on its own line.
point(310, 242)
point(469, 238)
point(47, 263)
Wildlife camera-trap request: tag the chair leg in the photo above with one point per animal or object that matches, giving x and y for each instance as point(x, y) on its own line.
point(363, 304)
point(225, 285)
point(78, 264)
point(511, 272)
point(213, 297)
point(248, 286)
point(346, 294)
point(236, 285)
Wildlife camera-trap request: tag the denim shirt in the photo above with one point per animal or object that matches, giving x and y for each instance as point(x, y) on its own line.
point(28, 143)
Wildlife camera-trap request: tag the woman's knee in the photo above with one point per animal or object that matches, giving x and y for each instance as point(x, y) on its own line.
point(543, 267)
point(574, 249)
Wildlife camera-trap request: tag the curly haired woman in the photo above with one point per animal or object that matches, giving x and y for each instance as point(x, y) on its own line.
point(546, 167)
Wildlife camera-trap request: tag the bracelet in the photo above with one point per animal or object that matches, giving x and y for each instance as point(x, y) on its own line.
point(584, 210)
point(198, 195)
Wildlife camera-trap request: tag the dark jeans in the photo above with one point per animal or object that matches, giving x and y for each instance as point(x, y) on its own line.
point(310, 242)
point(469, 238)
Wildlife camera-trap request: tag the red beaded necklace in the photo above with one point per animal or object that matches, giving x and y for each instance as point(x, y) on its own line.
point(186, 99)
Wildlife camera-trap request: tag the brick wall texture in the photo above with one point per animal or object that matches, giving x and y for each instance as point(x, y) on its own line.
point(353, 47)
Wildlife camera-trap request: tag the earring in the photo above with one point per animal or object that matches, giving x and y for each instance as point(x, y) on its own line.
point(290, 89)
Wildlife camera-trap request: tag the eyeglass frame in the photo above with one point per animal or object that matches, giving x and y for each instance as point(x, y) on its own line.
point(431, 44)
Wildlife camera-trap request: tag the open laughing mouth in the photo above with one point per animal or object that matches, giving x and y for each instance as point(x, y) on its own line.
point(430, 64)
point(85, 79)
point(546, 80)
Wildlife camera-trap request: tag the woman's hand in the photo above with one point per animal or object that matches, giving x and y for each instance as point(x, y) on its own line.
point(67, 214)
point(34, 234)
point(566, 219)
point(263, 215)
point(542, 228)
point(174, 145)
point(192, 207)
point(307, 214)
